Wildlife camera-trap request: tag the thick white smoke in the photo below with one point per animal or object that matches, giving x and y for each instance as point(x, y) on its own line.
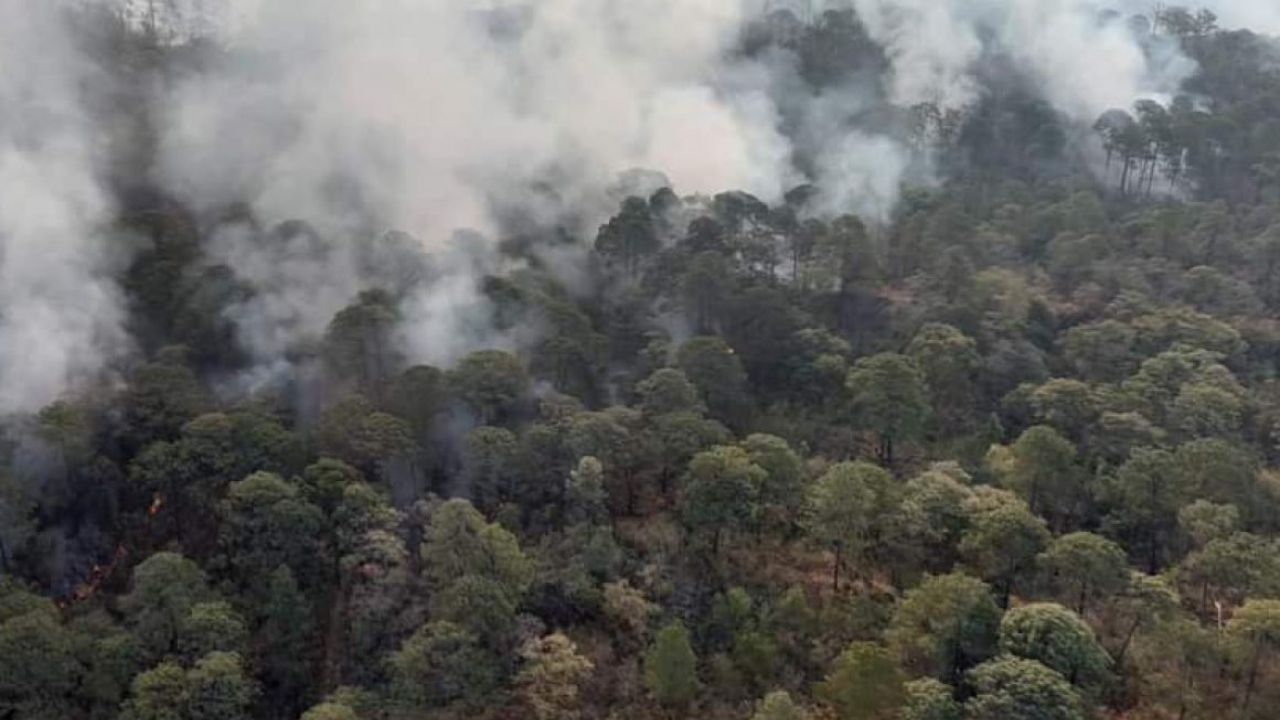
point(61, 316)
point(1085, 59)
point(421, 114)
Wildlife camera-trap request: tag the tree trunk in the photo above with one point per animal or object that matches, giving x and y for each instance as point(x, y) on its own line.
point(835, 571)
point(1253, 682)
point(1128, 638)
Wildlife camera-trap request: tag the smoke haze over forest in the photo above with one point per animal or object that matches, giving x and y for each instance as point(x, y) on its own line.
point(634, 359)
point(435, 117)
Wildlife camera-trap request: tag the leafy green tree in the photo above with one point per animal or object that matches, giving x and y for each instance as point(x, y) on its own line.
point(418, 396)
point(548, 683)
point(670, 667)
point(864, 684)
point(1042, 470)
point(493, 383)
point(1118, 434)
point(283, 648)
point(40, 672)
point(778, 705)
point(442, 664)
point(1256, 626)
point(359, 342)
point(218, 689)
point(1002, 541)
point(1205, 521)
point(673, 439)
point(1058, 639)
point(111, 659)
point(586, 496)
point(1232, 568)
point(926, 529)
point(571, 355)
point(668, 390)
point(1011, 687)
point(930, 699)
point(165, 588)
point(846, 506)
point(1101, 351)
point(755, 656)
point(161, 693)
point(267, 522)
point(162, 397)
point(354, 431)
point(211, 627)
point(629, 236)
point(482, 605)
point(1068, 406)
point(949, 361)
point(944, 626)
point(1204, 410)
point(713, 367)
point(720, 491)
point(325, 481)
point(489, 466)
point(1085, 569)
point(888, 396)
point(1220, 471)
point(459, 543)
point(1144, 496)
point(782, 492)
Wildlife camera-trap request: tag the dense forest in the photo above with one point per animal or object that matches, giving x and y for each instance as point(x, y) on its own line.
point(1005, 449)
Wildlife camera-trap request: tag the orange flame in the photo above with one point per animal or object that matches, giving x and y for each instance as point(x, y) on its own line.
point(156, 503)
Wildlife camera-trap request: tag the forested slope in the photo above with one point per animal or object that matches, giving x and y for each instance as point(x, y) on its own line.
point(1009, 449)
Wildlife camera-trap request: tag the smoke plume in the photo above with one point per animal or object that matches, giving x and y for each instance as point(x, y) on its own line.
point(432, 117)
point(61, 315)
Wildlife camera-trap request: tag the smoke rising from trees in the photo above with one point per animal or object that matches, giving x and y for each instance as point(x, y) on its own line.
point(435, 117)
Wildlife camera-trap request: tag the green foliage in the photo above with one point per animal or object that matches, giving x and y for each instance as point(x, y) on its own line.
point(1043, 471)
point(1085, 569)
point(1003, 540)
point(1064, 368)
point(720, 491)
point(459, 543)
point(440, 664)
point(668, 391)
point(944, 626)
point(864, 684)
point(210, 627)
point(846, 507)
point(887, 395)
point(925, 531)
point(161, 693)
point(778, 705)
point(670, 667)
point(492, 383)
point(165, 588)
point(39, 669)
point(930, 699)
point(1058, 639)
point(217, 689)
point(1010, 687)
point(713, 367)
point(268, 523)
point(359, 342)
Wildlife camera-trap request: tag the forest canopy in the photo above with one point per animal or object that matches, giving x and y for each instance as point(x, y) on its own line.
point(877, 360)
